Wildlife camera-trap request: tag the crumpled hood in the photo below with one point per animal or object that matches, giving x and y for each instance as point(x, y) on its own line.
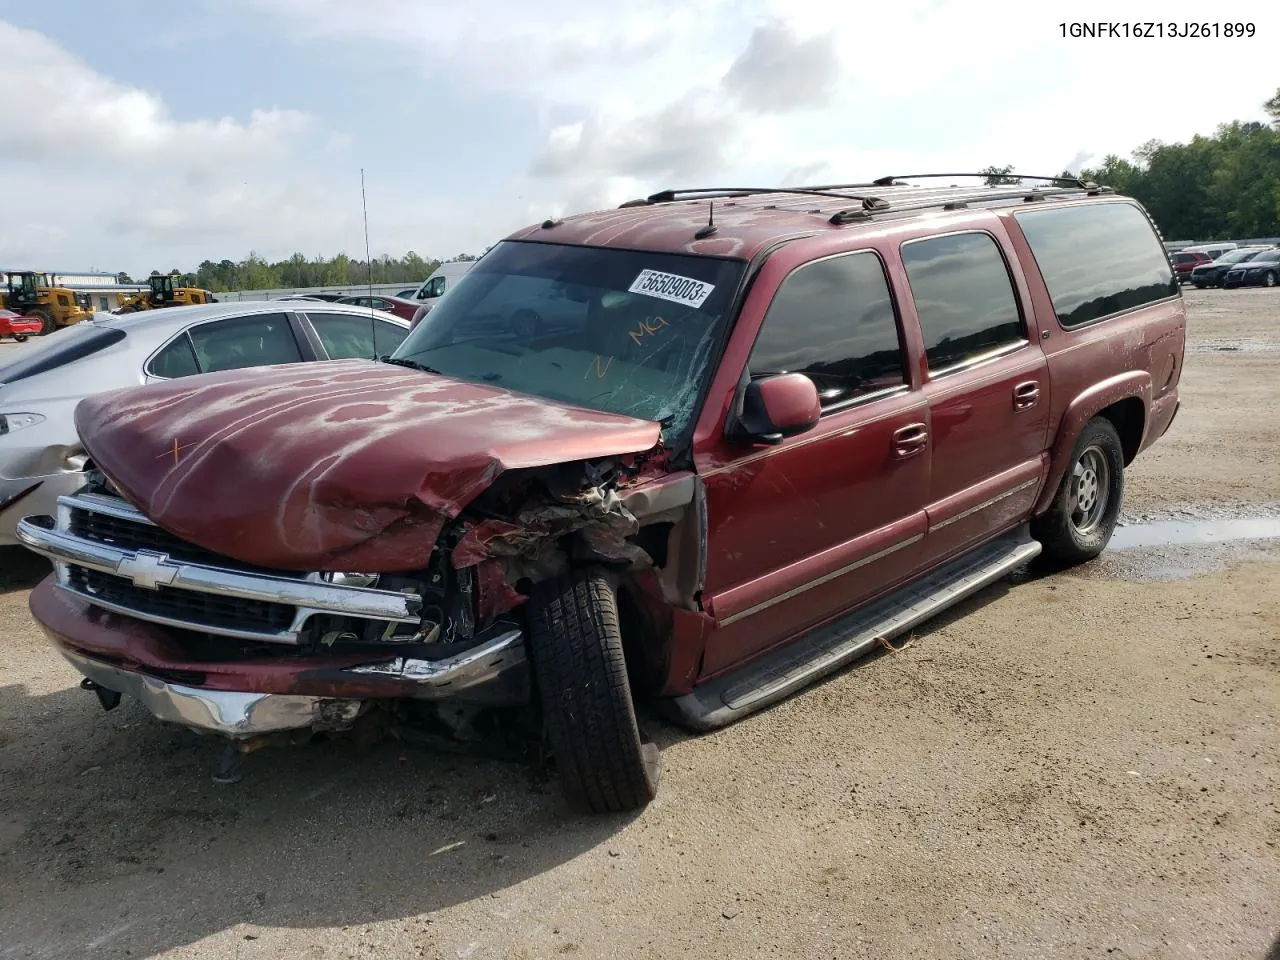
point(350, 464)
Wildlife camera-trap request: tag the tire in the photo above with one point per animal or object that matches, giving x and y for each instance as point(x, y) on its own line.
point(575, 644)
point(1068, 533)
point(20, 337)
point(1269, 279)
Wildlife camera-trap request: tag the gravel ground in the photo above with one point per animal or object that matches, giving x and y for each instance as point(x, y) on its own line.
point(1073, 764)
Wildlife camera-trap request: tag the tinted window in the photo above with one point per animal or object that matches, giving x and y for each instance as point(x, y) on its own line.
point(175, 360)
point(66, 346)
point(1097, 259)
point(964, 297)
point(347, 336)
point(834, 322)
point(252, 341)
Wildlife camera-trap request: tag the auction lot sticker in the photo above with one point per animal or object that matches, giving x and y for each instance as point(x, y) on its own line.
point(670, 286)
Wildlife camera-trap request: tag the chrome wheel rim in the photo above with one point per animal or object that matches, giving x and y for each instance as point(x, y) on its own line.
point(1090, 489)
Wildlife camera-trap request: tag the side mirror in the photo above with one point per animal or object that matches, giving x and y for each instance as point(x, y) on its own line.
point(778, 407)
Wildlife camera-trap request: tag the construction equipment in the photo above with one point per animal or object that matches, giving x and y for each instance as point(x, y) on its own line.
point(165, 293)
point(30, 294)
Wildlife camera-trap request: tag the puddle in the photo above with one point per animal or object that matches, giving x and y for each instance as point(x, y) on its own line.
point(1249, 345)
point(1190, 542)
point(1172, 533)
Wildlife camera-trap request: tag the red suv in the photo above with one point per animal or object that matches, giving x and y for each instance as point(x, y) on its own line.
point(1186, 261)
point(765, 429)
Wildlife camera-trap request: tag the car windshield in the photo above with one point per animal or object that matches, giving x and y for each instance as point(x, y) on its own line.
point(1267, 256)
point(620, 331)
point(1237, 256)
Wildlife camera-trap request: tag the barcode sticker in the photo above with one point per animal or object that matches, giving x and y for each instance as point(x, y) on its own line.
point(670, 286)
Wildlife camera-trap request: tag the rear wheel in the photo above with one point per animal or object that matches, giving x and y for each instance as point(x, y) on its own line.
point(1079, 523)
point(20, 337)
point(575, 643)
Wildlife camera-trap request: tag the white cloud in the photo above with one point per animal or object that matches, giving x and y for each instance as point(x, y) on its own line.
point(630, 97)
point(75, 117)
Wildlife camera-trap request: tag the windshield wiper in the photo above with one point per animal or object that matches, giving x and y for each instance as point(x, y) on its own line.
point(411, 364)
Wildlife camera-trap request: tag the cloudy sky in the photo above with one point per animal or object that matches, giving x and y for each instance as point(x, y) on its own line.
point(148, 134)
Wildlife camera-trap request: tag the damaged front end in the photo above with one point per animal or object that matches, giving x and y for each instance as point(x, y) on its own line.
point(244, 650)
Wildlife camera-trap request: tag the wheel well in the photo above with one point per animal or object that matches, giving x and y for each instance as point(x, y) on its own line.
point(1129, 417)
point(642, 645)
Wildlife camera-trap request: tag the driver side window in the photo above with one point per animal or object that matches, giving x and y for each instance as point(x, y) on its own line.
point(834, 321)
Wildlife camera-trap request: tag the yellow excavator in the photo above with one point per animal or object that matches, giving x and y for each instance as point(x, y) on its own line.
point(30, 294)
point(164, 293)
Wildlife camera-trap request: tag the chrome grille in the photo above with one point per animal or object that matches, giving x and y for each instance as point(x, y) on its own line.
point(202, 610)
point(106, 552)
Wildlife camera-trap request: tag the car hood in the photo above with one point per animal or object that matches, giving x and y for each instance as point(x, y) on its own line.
point(343, 465)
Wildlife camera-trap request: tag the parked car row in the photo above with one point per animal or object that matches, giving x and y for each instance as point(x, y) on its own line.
point(1225, 265)
point(634, 453)
point(1216, 273)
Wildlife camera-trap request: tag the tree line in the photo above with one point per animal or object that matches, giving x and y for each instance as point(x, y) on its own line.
point(1220, 187)
point(299, 270)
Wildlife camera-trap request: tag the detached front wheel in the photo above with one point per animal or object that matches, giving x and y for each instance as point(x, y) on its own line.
point(1079, 523)
point(575, 643)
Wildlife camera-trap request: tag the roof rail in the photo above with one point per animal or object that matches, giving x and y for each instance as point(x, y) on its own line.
point(891, 181)
point(717, 193)
point(866, 206)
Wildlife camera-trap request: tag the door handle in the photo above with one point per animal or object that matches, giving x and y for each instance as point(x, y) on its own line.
point(1026, 395)
point(910, 440)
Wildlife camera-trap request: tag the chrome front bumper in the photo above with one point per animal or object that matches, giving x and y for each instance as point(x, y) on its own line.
point(230, 714)
point(239, 715)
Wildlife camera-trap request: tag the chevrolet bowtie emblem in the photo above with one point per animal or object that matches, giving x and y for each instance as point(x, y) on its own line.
point(148, 569)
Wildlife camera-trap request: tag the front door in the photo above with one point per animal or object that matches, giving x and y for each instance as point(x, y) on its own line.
point(987, 388)
point(801, 531)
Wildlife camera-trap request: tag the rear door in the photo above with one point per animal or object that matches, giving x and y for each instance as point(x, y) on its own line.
point(986, 385)
point(806, 529)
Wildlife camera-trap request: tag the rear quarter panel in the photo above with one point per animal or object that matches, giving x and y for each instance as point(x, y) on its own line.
point(1136, 354)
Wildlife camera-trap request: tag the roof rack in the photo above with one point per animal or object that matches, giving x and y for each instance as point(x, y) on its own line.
point(868, 206)
point(717, 193)
point(892, 181)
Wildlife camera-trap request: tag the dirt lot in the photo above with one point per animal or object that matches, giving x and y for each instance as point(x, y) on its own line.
point(1080, 764)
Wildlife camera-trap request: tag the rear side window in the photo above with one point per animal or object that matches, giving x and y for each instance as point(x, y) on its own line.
point(833, 321)
point(178, 359)
point(347, 336)
point(1098, 259)
point(253, 341)
point(964, 297)
point(66, 346)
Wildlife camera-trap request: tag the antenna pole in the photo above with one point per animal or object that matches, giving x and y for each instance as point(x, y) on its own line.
point(368, 258)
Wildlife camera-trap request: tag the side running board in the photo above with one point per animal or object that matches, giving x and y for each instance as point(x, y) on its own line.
point(826, 649)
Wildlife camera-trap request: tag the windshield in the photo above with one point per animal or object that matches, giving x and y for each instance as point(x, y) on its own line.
point(1266, 256)
point(1237, 256)
point(614, 330)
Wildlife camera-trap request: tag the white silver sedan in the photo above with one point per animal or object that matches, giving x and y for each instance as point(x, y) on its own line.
point(42, 381)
